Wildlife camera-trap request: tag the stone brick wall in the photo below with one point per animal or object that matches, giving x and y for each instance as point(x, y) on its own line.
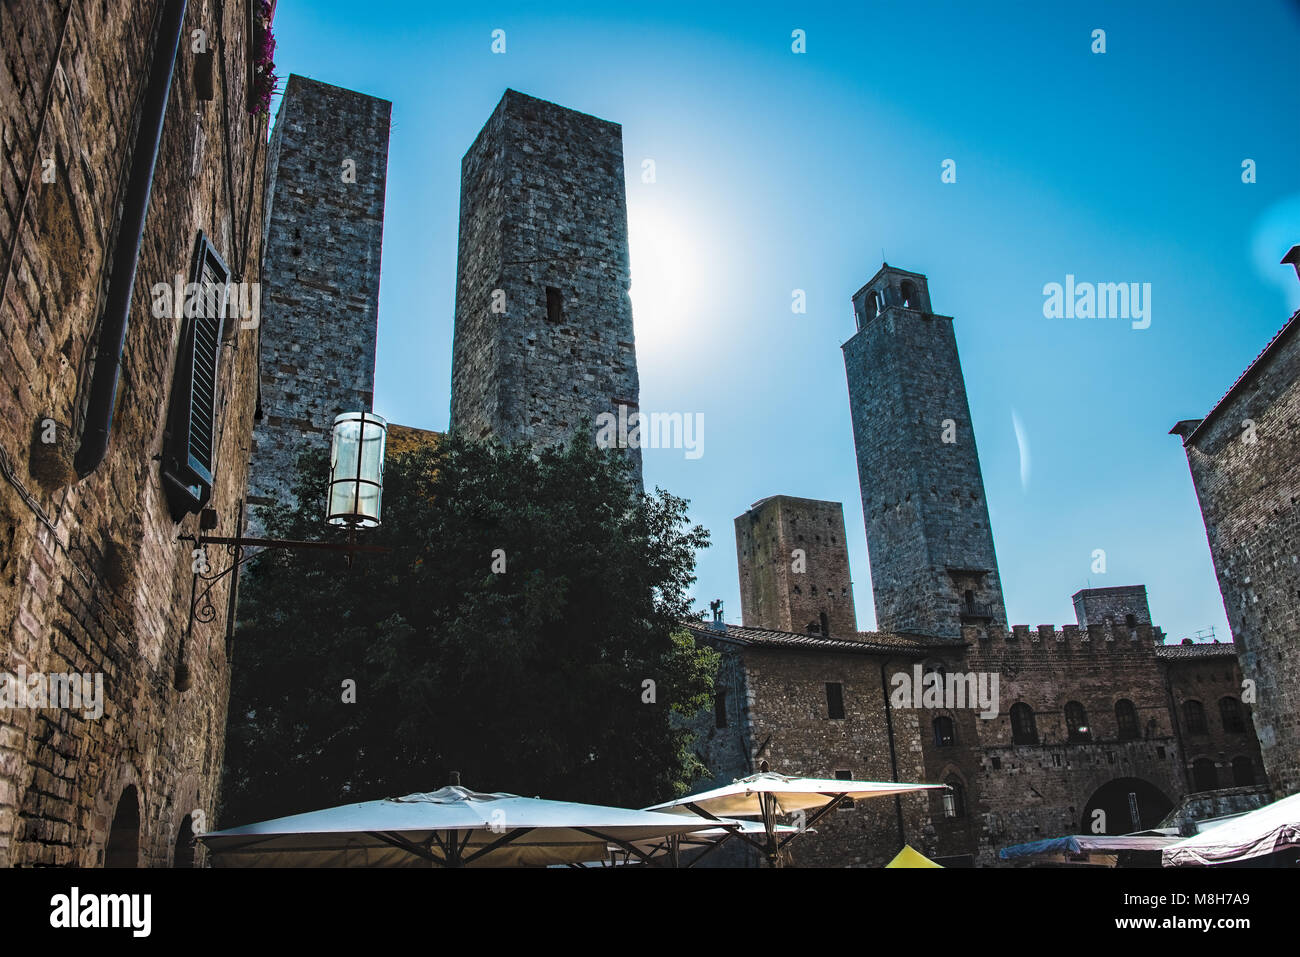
point(1027, 792)
point(327, 179)
point(543, 207)
point(772, 593)
point(783, 718)
point(928, 534)
point(1210, 675)
point(1247, 476)
point(92, 579)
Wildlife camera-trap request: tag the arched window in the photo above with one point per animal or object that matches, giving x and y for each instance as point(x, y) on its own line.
point(1131, 621)
point(1023, 728)
point(1204, 776)
point(1126, 718)
point(908, 290)
point(1076, 722)
point(873, 305)
point(123, 847)
point(826, 623)
point(184, 853)
point(1230, 712)
point(945, 736)
point(1243, 772)
point(954, 801)
point(1194, 717)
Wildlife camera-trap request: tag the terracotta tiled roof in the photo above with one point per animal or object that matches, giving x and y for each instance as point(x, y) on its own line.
point(864, 642)
point(1203, 649)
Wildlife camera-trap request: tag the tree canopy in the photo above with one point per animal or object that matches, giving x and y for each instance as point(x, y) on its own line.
point(508, 634)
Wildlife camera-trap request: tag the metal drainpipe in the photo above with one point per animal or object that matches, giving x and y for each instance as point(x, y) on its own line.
point(126, 252)
point(893, 753)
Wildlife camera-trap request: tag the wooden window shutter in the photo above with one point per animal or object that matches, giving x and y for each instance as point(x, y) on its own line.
point(189, 448)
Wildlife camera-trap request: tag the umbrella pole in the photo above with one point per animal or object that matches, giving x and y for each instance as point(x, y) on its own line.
point(768, 804)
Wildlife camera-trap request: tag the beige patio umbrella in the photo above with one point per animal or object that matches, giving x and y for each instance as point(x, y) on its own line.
point(767, 794)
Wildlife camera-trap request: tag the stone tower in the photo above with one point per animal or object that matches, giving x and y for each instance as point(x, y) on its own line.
point(931, 548)
point(543, 338)
point(787, 591)
point(326, 175)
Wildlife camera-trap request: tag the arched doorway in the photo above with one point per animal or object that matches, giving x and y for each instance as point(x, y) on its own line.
point(1128, 805)
point(184, 853)
point(123, 846)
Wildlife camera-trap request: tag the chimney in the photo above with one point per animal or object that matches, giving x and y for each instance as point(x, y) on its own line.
point(717, 624)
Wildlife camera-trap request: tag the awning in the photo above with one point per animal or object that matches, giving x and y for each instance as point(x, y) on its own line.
point(1081, 845)
point(1272, 828)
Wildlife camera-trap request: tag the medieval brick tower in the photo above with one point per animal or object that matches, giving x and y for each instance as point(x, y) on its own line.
point(543, 338)
point(932, 562)
point(327, 173)
point(794, 567)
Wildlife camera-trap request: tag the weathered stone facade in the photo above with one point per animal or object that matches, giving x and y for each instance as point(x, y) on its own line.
point(543, 340)
point(779, 710)
point(1052, 779)
point(1215, 729)
point(92, 578)
point(327, 178)
point(794, 567)
point(1246, 472)
point(933, 565)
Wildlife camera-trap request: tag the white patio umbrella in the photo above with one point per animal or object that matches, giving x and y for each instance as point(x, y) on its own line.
point(768, 794)
point(451, 827)
point(1267, 830)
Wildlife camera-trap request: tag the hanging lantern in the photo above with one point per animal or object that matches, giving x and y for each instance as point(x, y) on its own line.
point(357, 469)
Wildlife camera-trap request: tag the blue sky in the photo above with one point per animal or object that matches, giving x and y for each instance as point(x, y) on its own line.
point(778, 171)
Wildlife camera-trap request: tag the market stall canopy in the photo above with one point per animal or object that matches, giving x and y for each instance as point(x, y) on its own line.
point(449, 827)
point(1274, 827)
point(909, 857)
point(1087, 848)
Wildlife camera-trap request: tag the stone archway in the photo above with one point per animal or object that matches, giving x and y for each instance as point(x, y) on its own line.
point(1128, 805)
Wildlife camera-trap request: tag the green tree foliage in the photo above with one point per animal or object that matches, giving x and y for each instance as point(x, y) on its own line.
point(530, 681)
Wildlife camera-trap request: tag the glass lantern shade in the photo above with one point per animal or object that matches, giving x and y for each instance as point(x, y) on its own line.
point(357, 469)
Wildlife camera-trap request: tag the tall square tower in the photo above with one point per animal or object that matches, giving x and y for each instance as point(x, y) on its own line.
point(543, 339)
point(932, 561)
point(327, 173)
point(794, 567)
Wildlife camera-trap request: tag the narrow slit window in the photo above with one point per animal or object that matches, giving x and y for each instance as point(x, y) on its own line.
point(554, 305)
point(835, 700)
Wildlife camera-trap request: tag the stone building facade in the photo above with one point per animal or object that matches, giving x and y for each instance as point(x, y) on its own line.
point(1215, 730)
point(933, 566)
point(794, 566)
point(327, 179)
point(1246, 473)
point(93, 490)
point(543, 343)
point(817, 706)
